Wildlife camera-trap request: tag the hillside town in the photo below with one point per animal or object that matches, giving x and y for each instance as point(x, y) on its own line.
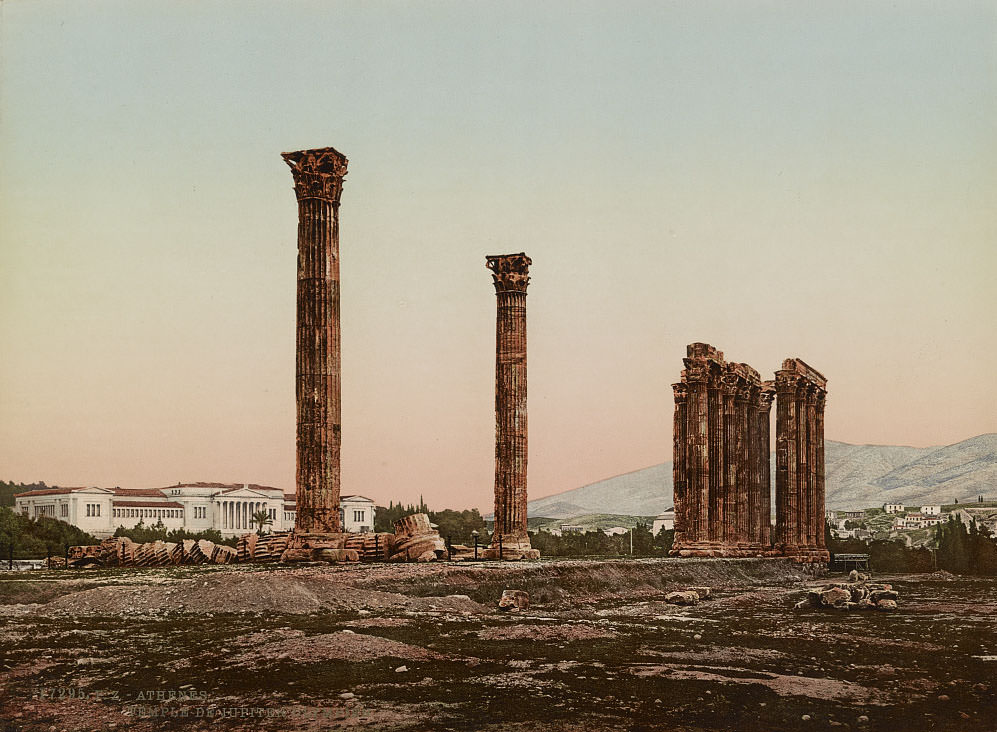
point(910, 524)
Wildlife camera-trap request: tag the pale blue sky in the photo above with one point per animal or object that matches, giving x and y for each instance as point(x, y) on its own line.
point(779, 179)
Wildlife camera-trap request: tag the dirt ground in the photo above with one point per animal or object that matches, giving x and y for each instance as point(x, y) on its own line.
point(423, 647)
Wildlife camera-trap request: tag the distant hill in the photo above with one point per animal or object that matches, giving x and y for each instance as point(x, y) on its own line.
point(857, 476)
point(645, 492)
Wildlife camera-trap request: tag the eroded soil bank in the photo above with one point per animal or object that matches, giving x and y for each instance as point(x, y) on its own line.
point(422, 647)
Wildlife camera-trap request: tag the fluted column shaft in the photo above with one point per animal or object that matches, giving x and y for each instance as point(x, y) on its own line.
point(510, 275)
point(318, 178)
point(727, 523)
point(742, 478)
point(698, 508)
point(510, 413)
point(787, 440)
point(819, 462)
point(680, 456)
point(765, 475)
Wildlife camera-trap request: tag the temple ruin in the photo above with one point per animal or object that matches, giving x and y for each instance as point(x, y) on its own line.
point(799, 460)
point(721, 463)
point(510, 275)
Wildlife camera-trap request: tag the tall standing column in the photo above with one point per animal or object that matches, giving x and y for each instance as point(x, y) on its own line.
point(744, 482)
point(727, 525)
point(697, 459)
point(823, 554)
point(810, 488)
point(786, 441)
point(680, 472)
point(510, 275)
point(765, 475)
point(318, 184)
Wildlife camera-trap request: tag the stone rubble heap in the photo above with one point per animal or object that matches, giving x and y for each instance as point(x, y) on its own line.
point(856, 594)
point(414, 540)
point(123, 552)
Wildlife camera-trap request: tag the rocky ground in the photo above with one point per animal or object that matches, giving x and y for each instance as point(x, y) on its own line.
point(423, 647)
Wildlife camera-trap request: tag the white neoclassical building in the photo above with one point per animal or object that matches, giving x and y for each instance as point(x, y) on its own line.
point(357, 514)
point(229, 508)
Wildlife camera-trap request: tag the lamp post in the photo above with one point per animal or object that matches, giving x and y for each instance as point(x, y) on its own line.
point(474, 533)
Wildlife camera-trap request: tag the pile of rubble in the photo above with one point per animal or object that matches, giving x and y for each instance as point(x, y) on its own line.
point(858, 593)
point(123, 552)
point(414, 540)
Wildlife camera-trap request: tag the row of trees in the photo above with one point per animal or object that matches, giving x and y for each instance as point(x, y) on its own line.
point(33, 538)
point(955, 547)
point(966, 550)
point(8, 489)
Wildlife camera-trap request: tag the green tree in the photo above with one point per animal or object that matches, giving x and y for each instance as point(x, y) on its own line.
point(261, 519)
point(38, 537)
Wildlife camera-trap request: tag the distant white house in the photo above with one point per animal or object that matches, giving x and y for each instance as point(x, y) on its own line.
point(931, 510)
point(664, 521)
point(913, 521)
point(357, 513)
point(893, 507)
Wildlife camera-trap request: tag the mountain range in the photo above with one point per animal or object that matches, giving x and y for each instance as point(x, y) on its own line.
point(857, 476)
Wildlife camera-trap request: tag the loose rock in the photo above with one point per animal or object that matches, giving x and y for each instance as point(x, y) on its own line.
point(514, 601)
point(682, 598)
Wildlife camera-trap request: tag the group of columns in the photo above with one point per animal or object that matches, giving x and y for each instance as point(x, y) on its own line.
point(239, 514)
point(721, 463)
point(799, 461)
point(318, 185)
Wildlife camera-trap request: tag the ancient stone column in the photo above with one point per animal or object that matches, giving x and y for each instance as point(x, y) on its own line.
point(318, 184)
point(691, 457)
point(743, 482)
point(765, 397)
point(823, 554)
point(680, 473)
point(715, 435)
point(786, 443)
point(699, 451)
point(726, 527)
point(510, 275)
point(809, 517)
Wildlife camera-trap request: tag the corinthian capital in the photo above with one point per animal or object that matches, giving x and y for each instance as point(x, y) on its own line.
point(510, 272)
point(317, 173)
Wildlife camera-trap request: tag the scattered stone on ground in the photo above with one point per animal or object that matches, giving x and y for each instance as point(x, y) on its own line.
point(687, 597)
point(514, 601)
point(856, 594)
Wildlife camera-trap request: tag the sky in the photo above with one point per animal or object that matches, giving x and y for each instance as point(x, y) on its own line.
point(779, 179)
